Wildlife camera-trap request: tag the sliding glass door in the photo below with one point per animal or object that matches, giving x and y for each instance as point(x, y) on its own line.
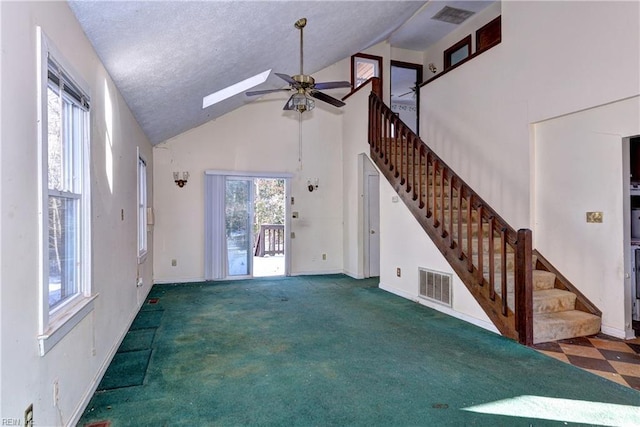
point(245, 223)
point(238, 223)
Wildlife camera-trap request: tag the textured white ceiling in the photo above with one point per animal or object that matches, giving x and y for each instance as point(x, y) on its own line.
point(164, 56)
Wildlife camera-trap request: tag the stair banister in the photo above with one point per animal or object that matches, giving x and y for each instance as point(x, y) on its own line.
point(427, 185)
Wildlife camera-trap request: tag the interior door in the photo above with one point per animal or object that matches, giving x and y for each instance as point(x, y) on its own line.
point(373, 201)
point(238, 225)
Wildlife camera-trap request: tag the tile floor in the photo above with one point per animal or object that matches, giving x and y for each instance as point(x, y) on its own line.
point(600, 354)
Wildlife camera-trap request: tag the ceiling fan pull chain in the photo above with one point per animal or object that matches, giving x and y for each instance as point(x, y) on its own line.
point(300, 140)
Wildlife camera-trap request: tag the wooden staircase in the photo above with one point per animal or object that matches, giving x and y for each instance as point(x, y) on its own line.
point(522, 293)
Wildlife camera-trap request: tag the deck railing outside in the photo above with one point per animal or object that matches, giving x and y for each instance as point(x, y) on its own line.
point(270, 240)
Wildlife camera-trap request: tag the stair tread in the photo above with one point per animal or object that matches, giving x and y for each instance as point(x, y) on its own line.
point(563, 325)
point(551, 293)
point(553, 300)
point(564, 316)
point(543, 280)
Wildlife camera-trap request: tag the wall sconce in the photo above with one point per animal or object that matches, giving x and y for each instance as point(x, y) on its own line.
point(432, 68)
point(313, 186)
point(180, 182)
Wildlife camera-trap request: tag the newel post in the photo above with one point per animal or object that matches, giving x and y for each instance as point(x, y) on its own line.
point(524, 287)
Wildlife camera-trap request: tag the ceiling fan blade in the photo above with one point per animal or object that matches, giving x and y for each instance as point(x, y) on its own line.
point(331, 85)
point(289, 104)
point(286, 78)
point(405, 94)
point(262, 92)
point(326, 98)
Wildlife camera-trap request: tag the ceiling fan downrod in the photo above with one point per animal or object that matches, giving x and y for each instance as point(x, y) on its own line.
point(300, 24)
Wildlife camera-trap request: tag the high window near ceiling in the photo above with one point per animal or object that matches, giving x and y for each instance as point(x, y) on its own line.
point(65, 208)
point(363, 67)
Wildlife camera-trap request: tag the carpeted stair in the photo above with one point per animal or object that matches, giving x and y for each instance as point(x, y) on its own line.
point(554, 314)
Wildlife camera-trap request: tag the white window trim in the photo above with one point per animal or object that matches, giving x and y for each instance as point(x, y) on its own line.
point(142, 255)
point(53, 325)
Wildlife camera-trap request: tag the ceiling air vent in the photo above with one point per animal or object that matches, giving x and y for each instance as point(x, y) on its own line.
point(435, 286)
point(452, 15)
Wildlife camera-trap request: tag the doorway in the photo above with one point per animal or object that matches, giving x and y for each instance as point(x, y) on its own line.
point(405, 92)
point(371, 218)
point(632, 147)
point(246, 225)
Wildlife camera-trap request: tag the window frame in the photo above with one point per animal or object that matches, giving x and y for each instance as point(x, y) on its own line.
point(448, 53)
point(489, 34)
point(55, 322)
point(367, 58)
point(143, 204)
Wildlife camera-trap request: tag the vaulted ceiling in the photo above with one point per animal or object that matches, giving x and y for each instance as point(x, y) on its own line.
point(164, 56)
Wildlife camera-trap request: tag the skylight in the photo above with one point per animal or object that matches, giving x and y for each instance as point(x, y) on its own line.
point(235, 89)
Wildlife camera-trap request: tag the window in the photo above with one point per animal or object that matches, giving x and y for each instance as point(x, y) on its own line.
point(489, 35)
point(65, 197)
point(363, 67)
point(142, 208)
point(457, 53)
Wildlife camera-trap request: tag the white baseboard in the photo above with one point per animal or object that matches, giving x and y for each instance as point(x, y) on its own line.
point(86, 398)
point(316, 273)
point(442, 309)
point(617, 333)
point(353, 275)
point(179, 280)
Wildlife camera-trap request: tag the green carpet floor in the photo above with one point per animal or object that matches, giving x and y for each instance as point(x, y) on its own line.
point(331, 350)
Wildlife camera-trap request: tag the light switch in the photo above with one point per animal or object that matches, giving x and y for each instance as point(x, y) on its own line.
point(594, 217)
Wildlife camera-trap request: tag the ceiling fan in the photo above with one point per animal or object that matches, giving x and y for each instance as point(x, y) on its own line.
point(304, 85)
point(413, 91)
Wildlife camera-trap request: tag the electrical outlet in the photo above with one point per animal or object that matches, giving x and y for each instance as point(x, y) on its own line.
point(174, 262)
point(56, 392)
point(28, 416)
point(324, 257)
point(398, 272)
point(293, 234)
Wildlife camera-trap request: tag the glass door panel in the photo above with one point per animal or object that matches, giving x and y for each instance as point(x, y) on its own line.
point(238, 223)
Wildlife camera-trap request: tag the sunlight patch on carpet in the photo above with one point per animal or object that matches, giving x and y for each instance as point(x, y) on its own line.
point(567, 410)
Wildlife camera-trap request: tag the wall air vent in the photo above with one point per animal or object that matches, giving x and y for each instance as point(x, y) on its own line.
point(435, 286)
point(452, 15)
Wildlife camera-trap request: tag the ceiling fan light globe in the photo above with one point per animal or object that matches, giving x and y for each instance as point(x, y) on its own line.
point(301, 103)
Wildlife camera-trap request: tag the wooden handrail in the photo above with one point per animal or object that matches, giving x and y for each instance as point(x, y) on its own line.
point(476, 241)
point(376, 87)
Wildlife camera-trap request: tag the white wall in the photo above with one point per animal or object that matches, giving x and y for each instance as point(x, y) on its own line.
point(405, 55)
point(258, 137)
point(579, 168)
point(405, 245)
point(479, 119)
point(354, 135)
point(77, 361)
